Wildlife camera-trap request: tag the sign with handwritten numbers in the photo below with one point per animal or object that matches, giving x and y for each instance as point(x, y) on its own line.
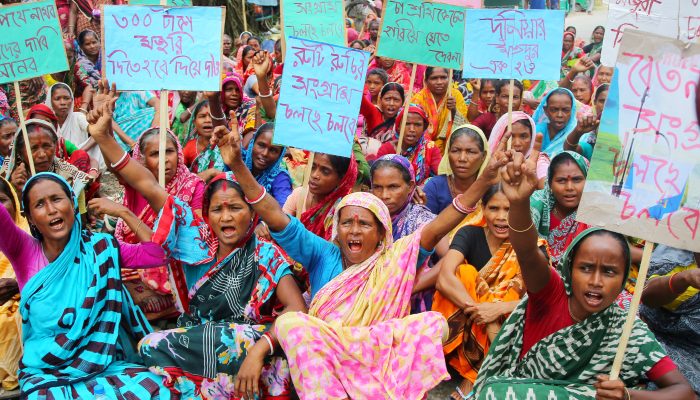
point(422, 32)
point(654, 16)
point(320, 20)
point(154, 47)
point(320, 97)
point(644, 179)
point(172, 3)
point(513, 44)
point(31, 44)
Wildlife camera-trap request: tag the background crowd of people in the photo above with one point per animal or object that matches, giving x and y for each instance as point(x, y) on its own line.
point(384, 275)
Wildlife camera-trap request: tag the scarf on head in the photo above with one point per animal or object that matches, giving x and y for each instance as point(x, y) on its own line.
point(542, 204)
point(246, 104)
point(75, 122)
point(552, 146)
point(446, 169)
point(418, 152)
point(81, 292)
point(565, 364)
point(319, 219)
point(208, 158)
point(6, 270)
point(87, 73)
point(266, 177)
point(502, 126)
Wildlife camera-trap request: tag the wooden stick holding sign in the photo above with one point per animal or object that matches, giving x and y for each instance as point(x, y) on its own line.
point(407, 104)
point(20, 113)
point(163, 125)
point(510, 105)
point(245, 17)
point(632, 312)
point(305, 183)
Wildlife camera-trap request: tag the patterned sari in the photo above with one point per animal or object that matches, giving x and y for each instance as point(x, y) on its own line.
point(158, 293)
point(499, 280)
point(87, 73)
point(232, 303)
point(10, 318)
point(565, 364)
point(358, 340)
point(542, 207)
point(79, 324)
point(440, 118)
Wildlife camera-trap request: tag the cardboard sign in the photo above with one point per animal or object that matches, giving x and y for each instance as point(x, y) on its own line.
point(513, 44)
point(644, 179)
point(172, 3)
point(320, 20)
point(31, 44)
point(422, 32)
point(154, 47)
point(320, 97)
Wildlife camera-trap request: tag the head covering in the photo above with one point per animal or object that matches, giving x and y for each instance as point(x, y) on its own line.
point(319, 219)
point(502, 126)
point(87, 72)
point(44, 110)
point(228, 177)
point(266, 177)
point(542, 203)
point(245, 105)
point(6, 270)
point(418, 152)
point(446, 169)
point(552, 146)
point(74, 128)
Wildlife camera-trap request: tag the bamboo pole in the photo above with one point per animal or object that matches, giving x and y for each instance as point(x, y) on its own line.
point(407, 102)
point(20, 113)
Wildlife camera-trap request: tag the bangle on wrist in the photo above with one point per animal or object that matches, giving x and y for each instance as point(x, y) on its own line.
point(460, 208)
point(523, 230)
point(670, 284)
point(222, 118)
point(569, 143)
point(264, 96)
point(258, 199)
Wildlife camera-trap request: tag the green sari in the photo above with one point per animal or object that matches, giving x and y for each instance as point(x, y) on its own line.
point(564, 365)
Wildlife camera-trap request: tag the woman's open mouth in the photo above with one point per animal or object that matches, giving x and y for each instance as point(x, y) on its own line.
point(593, 299)
point(500, 229)
point(56, 224)
point(355, 246)
point(228, 231)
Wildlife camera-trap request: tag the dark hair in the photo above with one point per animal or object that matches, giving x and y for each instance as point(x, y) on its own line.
point(558, 160)
point(147, 134)
point(253, 38)
point(60, 85)
point(601, 89)
point(395, 87)
point(619, 238)
point(380, 73)
point(361, 42)
point(598, 27)
point(32, 128)
point(246, 50)
point(560, 91)
point(526, 123)
point(470, 133)
point(5, 188)
point(266, 127)
point(28, 187)
point(374, 21)
point(7, 121)
point(278, 44)
point(340, 164)
point(379, 164)
point(570, 27)
point(82, 36)
point(505, 83)
point(430, 70)
point(490, 192)
point(217, 185)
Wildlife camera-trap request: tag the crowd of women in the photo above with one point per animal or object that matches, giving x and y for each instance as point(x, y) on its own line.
point(388, 272)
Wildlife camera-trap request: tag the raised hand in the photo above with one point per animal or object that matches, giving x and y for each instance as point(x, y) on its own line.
point(229, 143)
point(520, 174)
point(100, 206)
point(100, 118)
point(104, 94)
point(261, 63)
point(499, 158)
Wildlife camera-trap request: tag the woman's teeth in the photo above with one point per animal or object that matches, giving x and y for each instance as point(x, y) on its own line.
point(355, 245)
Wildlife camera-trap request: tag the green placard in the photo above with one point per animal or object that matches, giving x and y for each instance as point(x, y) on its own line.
point(502, 3)
point(31, 44)
point(422, 32)
point(173, 3)
point(322, 21)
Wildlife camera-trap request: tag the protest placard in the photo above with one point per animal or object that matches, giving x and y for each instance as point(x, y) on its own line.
point(689, 20)
point(320, 97)
point(31, 43)
point(155, 47)
point(422, 32)
point(320, 20)
point(513, 44)
point(502, 3)
point(463, 3)
point(659, 16)
point(172, 3)
point(644, 179)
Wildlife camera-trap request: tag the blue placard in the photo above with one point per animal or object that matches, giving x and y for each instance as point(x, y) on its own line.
point(320, 96)
point(154, 47)
point(513, 44)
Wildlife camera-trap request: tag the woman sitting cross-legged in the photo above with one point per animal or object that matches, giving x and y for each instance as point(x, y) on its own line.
point(358, 340)
point(237, 284)
point(561, 340)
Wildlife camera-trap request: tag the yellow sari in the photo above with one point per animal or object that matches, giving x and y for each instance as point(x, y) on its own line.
point(439, 116)
point(10, 318)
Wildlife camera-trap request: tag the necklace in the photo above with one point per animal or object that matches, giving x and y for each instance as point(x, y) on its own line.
point(571, 314)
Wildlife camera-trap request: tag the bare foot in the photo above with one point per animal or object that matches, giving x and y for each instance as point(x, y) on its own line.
point(465, 387)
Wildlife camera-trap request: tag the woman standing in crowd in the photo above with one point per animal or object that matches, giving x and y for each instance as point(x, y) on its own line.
point(486, 120)
point(570, 54)
point(8, 128)
point(562, 340)
point(466, 156)
point(237, 284)
point(420, 150)
point(182, 113)
point(232, 106)
point(444, 106)
point(398, 71)
point(603, 75)
point(88, 62)
point(482, 96)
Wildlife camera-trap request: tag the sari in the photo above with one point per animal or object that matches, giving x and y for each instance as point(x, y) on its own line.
point(500, 129)
point(440, 118)
point(500, 280)
point(133, 114)
point(33, 91)
point(570, 58)
point(423, 154)
point(87, 73)
point(565, 364)
point(542, 203)
point(10, 318)
point(677, 324)
point(358, 339)
point(160, 292)
point(554, 145)
point(232, 303)
point(245, 112)
point(78, 324)
point(275, 179)
point(319, 219)
point(208, 158)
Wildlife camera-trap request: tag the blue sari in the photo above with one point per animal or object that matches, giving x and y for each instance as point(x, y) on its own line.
point(79, 324)
point(555, 145)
